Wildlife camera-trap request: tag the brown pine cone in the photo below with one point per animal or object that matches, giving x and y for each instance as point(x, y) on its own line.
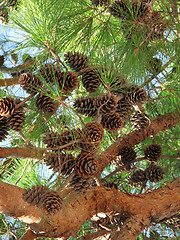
point(139, 121)
point(86, 106)
point(90, 80)
point(124, 109)
point(2, 59)
point(81, 184)
point(51, 139)
point(153, 152)
point(154, 173)
point(51, 202)
point(4, 16)
point(16, 120)
point(7, 106)
point(106, 103)
point(112, 122)
point(4, 128)
point(63, 163)
point(76, 60)
point(68, 81)
point(100, 2)
point(128, 155)
point(68, 137)
point(30, 83)
point(34, 194)
point(138, 177)
point(50, 73)
point(45, 103)
point(93, 132)
point(120, 10)
point(135, 95)
point(85, 165)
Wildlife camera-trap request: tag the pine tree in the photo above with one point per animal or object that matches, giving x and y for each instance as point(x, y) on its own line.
point(89, 114)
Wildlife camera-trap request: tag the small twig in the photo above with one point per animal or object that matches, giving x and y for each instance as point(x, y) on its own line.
point(23, 102)
point(55, 56)
point(170, 157)
point(23, 172)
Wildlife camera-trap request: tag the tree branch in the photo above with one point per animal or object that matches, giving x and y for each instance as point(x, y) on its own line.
point(143, 209)
point(9, 81)
point(29, 235)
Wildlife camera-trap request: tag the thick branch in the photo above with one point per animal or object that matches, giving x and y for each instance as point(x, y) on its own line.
point(9, 81)
point(29, 235)
point(78, 208)
point(24, 153)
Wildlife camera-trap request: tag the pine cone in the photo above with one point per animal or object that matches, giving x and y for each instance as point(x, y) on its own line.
point(2, 59)
point(51, 202)
point(7, 106)
point(16, 120)
point(100, 2)
point(30, 83)
point(138, 177)
point(68, 81)
point(4, 128)
point(93, 132)
point(51, 139)
point(173, 221)
point(80, 183)
point(156, 26)
point(112, 122)
point(34, 195)
point(120, 9)
point(76, 60)
point(139, 121)
point(110, 185)
point(136, 95)
point(4, 15)
point(153, 152)
point(86, 106)
point(90, 80)
point(106, 103)
point(63, 163)
point(45, 103)
point(85, 165)
point(154, 173)
point(50, 73)
point(68, 137)
point(124, 109)
point(11, 3)
point(128, 155)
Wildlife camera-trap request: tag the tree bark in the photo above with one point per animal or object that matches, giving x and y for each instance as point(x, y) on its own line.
point(9, 81)
point(29, 235)
point(143, 209)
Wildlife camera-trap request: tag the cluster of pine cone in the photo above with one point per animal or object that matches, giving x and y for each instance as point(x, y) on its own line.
point(49, 201)
point(111, 109)
point(142, 11)
point(153, 173)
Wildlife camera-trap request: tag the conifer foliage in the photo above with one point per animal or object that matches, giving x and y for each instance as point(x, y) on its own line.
point(98, 82)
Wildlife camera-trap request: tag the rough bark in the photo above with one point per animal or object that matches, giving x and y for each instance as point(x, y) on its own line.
point(143, 209)
point(9, 81)
point(29, 235)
